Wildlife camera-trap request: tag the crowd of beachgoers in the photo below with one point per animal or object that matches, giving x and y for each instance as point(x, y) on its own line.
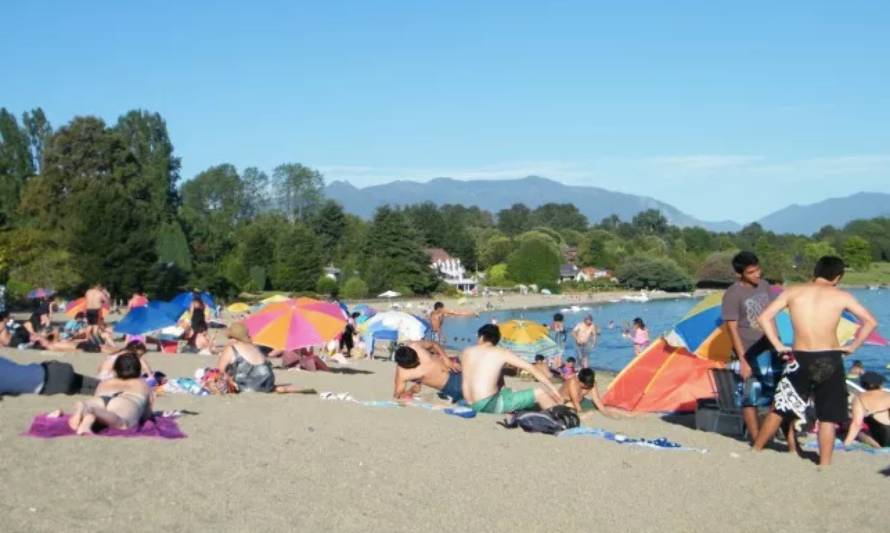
point(804, 386)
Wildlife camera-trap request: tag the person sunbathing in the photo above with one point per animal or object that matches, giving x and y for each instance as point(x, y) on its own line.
point(247, 367)
point(123, 402)
point(871, 407)
point(46, 378)
point(427, 363)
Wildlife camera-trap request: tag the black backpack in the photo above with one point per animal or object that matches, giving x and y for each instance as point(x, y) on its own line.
point(551, 421)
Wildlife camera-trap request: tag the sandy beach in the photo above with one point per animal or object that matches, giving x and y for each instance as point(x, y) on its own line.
point(286, 462)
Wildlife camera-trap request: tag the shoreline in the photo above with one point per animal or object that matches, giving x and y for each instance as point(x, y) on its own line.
point(522, 302)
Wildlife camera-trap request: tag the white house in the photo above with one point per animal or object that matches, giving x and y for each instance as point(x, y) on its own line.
point(451, 270)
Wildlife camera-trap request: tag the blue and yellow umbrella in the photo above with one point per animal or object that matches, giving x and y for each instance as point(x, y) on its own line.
point(703, 332)
point(527, 339)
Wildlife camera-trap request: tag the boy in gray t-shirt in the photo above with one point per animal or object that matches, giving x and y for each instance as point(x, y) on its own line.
point(759, 365)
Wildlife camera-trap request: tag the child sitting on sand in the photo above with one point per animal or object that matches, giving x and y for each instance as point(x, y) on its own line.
point(583, 385)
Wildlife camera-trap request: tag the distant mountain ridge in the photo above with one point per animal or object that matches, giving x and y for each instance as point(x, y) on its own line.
point(493, 195)
point(808, 219)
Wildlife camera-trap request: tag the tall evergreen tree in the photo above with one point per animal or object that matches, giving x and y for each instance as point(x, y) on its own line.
point(394, 257)
point(298, 260)
point(39, 132)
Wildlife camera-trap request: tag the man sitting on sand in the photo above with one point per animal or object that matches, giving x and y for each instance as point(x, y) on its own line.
point(815, 366)
point(426, 362)
point(482, 366)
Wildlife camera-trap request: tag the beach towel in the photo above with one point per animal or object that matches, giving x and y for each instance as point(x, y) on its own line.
point(460, 411)
point(161, 426)
point(813, 445)
point(660, 443)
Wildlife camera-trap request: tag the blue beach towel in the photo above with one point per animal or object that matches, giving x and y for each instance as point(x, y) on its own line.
point(813, 445)
point(660, 443)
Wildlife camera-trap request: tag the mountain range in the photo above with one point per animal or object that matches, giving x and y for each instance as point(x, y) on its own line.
point(594, 202)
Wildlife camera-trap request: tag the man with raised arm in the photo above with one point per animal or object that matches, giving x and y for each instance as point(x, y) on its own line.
point(426, 362)
point(814, 367)
point(483, 388)
point(437, 319)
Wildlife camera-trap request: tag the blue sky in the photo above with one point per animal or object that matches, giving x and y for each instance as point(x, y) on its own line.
point(724, 109)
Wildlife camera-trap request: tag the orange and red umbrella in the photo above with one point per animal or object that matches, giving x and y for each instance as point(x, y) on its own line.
point(80, 306)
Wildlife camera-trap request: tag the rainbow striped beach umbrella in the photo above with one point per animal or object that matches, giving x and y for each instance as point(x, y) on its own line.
point(295, 324)
point(527, 339)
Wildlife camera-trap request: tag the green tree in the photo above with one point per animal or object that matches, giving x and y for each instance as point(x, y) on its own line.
point(857, 253)
point(495, 250)
point(212, 205)
point(650, 222)
point(393, 255)
point(326, 285)
point(39, 132)
point(497, 276)
point(299, 190)
point(811, 253)
point(16, 164)
point(560, 217)
point(173, 247)
point(257, 193)
point(429, 223)
point(716, 270)
point(298, 261)
point(515, 220)
point(774, 260)
point(145, 136)
point(642, 272)
point(535, 261)
point(329, 223)
point(354, 288)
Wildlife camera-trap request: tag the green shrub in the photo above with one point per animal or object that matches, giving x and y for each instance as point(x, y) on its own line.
point(326, 285)
point(354, 288)
point(643, 272)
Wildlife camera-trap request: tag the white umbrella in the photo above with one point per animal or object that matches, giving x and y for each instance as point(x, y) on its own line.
point(389, 294)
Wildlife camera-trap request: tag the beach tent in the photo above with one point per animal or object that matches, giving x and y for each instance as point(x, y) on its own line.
point(662, 379)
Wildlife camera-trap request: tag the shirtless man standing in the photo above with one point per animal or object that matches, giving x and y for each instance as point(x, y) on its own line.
point(437, 317)
point(427, 362)
point(96, 299)
point(585, 340)
point(482, 365)
point(815, 364)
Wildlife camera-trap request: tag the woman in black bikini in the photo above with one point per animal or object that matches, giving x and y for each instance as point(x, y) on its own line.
point(122, 402)
point(873, 408)
point(199, 339)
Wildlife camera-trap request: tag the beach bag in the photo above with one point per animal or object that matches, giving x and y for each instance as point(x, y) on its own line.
point(552, 421)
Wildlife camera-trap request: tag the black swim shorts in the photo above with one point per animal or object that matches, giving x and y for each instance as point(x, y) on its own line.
point(93, 317)
point(816, 375)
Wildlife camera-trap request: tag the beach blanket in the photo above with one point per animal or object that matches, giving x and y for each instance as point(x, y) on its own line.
point(161, 426)
point(660, 443)
point(456, 410)
point(813, 445)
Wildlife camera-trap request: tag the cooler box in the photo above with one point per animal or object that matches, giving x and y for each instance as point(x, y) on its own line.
point(170, 346)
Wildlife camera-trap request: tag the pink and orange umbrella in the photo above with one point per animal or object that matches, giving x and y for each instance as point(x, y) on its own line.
point(295, 324)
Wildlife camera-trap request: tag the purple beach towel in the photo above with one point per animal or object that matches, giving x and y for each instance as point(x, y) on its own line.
point(164, 427)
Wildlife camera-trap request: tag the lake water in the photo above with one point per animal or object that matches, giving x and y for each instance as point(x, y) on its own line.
point(613, 351)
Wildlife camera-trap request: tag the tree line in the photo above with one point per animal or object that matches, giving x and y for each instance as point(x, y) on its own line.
point(91, 202)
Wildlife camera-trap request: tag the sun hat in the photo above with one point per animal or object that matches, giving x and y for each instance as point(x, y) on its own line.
point(238, 331)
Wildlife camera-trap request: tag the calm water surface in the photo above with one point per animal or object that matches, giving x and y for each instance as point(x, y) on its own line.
point(614, 352)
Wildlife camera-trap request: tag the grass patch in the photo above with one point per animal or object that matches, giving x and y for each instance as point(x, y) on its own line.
point(879, 273)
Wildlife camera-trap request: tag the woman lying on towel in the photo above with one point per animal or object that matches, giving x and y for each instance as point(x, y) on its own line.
point(871, 407)
point(122, 402)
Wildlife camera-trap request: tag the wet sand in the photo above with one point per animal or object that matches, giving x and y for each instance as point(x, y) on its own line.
point(286, 462)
